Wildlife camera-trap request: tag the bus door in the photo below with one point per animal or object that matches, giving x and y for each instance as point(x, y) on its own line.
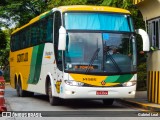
point(58, 53)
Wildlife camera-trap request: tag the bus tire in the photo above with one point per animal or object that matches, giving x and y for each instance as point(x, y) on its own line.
point(108, 101)
point(20, 92)
point(29, 94)
point(52, 100)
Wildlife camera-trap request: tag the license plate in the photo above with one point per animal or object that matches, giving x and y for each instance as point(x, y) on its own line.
point(101, 92)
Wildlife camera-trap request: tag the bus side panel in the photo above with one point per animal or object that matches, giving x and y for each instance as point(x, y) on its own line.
point(46, 67)
point(12, 69)
point(36, 63)
point(20, 66)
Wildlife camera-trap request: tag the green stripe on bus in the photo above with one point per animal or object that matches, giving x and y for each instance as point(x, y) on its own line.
point(124, 78)
point(33, 63)
point(119, 78)
point(112, 79)
point(39, 63)
point(36, 63)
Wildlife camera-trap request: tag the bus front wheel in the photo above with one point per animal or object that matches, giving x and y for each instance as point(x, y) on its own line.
point(53, 100)
point(108, 101)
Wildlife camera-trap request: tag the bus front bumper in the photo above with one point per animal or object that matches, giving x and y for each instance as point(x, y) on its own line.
point(74, 92)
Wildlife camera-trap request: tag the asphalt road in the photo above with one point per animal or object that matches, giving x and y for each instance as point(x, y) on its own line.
point(70, 108)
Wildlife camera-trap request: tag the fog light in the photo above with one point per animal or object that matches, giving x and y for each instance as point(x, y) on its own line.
point(132, 93)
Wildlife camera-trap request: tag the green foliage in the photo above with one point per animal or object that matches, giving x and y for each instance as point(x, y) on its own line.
point(21, 10)
point(94, 2)
point(118, 3)
point(142, 77)
point(4, 52)
point(55, 3)
point(4, 47)
point(3, 41)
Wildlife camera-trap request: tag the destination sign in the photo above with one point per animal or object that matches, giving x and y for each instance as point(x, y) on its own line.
point(92, 67)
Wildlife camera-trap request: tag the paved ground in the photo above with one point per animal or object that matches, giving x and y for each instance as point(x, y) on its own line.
point(141, 101)
point(81, 109)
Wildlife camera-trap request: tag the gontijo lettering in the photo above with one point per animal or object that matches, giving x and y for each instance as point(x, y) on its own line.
point(22, 57)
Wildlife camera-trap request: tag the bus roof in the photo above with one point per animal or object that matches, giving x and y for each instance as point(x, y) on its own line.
point(75, 8)
point(92, 8)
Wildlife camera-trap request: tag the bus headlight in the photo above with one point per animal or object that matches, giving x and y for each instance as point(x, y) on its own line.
point(130, 83)
point(73, 83)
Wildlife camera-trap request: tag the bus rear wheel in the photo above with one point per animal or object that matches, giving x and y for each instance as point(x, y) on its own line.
point(108, 101)
point(20, 92)
point(52, 100)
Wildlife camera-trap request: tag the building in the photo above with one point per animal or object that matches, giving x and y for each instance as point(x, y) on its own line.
point(150, 10)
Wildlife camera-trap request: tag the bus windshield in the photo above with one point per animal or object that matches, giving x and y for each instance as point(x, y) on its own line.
point(98, 21)
point(100, 52)
point(99, 43)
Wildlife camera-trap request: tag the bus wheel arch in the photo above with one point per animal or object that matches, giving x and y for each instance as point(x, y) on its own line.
point(46, 84)
point(49, 91)
point(15, 81)
point(19, 88)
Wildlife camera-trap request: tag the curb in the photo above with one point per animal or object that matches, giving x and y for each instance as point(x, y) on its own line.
point(146, 106)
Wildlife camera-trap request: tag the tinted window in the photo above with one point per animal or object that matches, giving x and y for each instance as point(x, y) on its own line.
point(35, 34)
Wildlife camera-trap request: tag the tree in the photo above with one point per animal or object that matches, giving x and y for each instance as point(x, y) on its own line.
point(4, 51)
point(3, 41)
point(94, 2)
point(20, 10)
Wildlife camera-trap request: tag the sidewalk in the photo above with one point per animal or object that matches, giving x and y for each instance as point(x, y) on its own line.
point(141, 101)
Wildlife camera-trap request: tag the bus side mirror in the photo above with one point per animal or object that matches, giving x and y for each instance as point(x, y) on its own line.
point(145, 38)
point(62, 38)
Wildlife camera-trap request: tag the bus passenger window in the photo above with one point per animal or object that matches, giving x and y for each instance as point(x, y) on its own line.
point(33, 36)
point(17, 42)
point(21, 39)
point(49, 29)
point(38, 33)
point(42, 30)
point(24, 41)
point(12, 43)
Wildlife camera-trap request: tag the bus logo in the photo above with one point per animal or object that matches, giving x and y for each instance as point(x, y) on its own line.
point(103, 82)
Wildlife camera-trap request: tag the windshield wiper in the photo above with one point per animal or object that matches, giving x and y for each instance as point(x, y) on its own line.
point(113, 61)
point(92, 60)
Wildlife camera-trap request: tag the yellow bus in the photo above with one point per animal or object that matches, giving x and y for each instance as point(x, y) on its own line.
point(76, 52)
